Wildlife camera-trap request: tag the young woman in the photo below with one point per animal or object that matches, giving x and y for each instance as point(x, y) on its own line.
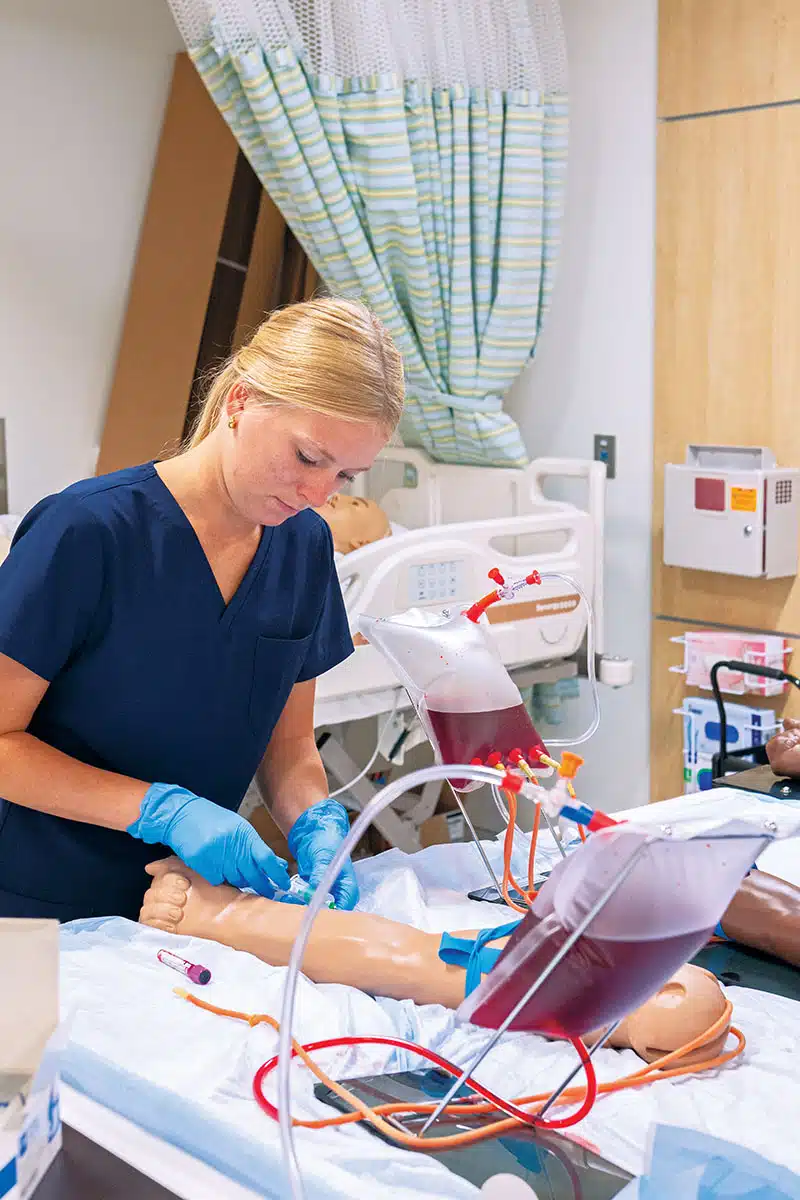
point(161, 629)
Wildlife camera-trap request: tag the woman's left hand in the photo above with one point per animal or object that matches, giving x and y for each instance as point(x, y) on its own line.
point(314, 840)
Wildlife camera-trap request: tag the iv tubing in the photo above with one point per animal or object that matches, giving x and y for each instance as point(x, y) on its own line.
point(590, 665)
point(357, 778)
point(376, 806)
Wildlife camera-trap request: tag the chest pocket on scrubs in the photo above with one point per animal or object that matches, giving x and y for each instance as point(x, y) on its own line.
point(277, 664)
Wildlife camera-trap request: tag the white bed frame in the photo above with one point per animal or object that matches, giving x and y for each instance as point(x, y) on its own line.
point(461, 522)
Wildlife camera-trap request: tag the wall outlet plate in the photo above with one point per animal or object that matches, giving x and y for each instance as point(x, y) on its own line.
point(605, 451)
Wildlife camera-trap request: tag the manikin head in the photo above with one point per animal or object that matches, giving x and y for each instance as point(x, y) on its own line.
point(684, 1008)
point(354, 521)
point(300, 409)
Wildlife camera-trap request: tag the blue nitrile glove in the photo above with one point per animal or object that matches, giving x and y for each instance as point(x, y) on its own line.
point(218, 844)
point(313, 841)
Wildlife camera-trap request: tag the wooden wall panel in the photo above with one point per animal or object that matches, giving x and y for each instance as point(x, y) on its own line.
point(279, 273)
point(261, 284)
point(667, 693)
point(727, 351)
point(720, 54)
point(172, 277)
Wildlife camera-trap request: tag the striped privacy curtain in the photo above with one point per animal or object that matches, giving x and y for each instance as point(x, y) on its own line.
point(421, 167)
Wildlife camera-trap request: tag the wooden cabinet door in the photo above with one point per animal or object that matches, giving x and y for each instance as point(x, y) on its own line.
point(727, 350)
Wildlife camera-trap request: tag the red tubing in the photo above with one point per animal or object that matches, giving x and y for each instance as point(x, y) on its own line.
point(505, 1106)
point(476, 611)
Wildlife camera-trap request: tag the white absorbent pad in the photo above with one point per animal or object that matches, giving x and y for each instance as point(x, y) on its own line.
point(186, 1075)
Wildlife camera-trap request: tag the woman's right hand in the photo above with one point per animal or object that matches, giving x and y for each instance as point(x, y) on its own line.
point(220, 845)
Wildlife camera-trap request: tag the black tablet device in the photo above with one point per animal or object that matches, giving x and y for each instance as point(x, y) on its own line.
point(556, 1168)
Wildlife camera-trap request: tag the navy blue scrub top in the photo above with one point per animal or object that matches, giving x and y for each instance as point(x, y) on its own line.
point(108, 594)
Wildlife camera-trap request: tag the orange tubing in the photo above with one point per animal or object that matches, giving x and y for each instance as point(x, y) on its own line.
point(508, 846)
point(537, 812)
point(664, 1068)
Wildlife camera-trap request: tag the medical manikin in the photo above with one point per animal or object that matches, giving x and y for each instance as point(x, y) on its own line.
point(783, 751)
point(387, 958)
point(354, 522)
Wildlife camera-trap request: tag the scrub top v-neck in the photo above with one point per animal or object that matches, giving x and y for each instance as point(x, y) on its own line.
point(108, 594)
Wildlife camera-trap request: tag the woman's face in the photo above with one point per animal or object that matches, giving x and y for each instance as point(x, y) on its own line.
point(278, 461)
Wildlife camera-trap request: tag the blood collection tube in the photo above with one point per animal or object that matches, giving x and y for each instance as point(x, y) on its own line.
point(192, 971)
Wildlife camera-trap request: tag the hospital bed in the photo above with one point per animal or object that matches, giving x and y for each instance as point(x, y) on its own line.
point(181, 1076)
point(451, 525)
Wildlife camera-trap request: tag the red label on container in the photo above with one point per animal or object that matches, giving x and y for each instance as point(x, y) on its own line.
point(709, 495)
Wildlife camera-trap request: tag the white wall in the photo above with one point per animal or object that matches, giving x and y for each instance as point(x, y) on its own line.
point(84, 86)
point(593, 372)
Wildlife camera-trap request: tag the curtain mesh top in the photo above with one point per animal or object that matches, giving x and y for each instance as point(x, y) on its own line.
point(504, 44)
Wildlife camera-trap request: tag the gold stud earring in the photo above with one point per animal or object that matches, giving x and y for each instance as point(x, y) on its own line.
point(231, 422)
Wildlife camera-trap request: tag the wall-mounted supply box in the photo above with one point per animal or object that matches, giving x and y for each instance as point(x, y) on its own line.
point(731, 510)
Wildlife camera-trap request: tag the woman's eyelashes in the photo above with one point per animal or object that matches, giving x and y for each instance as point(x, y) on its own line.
point(311, 462)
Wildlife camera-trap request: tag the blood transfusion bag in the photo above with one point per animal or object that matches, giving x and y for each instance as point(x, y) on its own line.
point(661, 914)
point(467, 702)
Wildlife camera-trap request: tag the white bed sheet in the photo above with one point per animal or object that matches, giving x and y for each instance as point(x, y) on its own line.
point(186, 1075)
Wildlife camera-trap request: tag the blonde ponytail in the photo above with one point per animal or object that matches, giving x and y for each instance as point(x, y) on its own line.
point(331, 356)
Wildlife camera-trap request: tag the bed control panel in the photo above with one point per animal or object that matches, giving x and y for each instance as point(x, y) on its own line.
point(431, 582)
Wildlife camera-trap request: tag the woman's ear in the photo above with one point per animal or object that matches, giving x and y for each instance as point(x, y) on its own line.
point(236, 400)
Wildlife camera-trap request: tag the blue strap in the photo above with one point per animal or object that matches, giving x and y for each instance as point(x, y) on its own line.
point(474, 954)
point(8, 1176)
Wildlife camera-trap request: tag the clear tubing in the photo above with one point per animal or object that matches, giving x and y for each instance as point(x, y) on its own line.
point(590, 665)
point(501, 807)
point(357, 778)
point(382, 800)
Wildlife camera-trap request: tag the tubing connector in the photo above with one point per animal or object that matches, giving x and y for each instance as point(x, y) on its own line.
point(504, 591)
point(570, 765)
point(591, 818)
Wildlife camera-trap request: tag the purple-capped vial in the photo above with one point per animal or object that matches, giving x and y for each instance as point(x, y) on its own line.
point(193, 971)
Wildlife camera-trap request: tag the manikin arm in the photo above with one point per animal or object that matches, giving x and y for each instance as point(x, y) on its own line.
point(378, 956)
point(765, 915)
point(386, 958)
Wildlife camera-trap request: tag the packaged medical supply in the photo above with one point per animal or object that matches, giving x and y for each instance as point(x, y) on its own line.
point(704, 647)
point(746, 726)
point(30, 1046)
